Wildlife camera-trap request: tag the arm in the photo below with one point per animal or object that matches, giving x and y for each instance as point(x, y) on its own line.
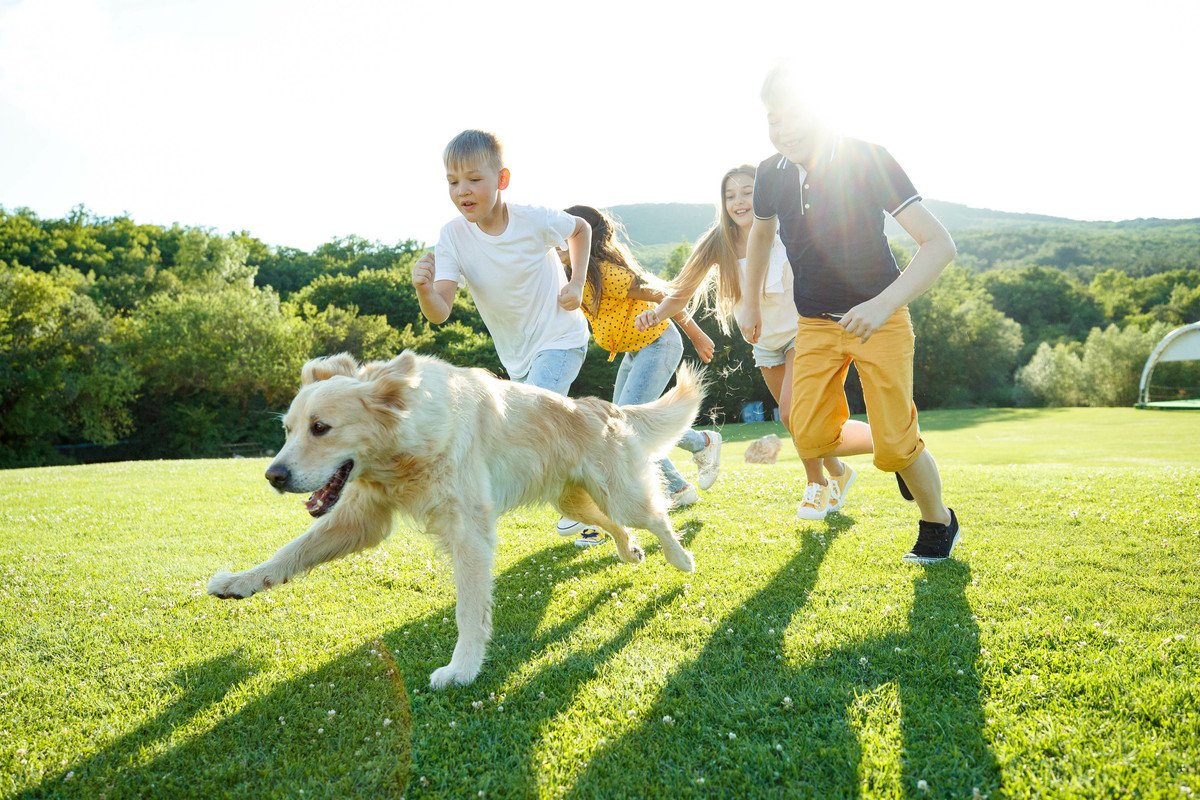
point(758, 252)
point(579, 247)
point(672, 306)
point(935, 249)
point(436, 297)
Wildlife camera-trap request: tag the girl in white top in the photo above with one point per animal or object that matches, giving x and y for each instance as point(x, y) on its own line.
point(724, 246)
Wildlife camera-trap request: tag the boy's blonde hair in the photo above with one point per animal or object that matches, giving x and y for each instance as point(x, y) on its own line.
point(473, 146)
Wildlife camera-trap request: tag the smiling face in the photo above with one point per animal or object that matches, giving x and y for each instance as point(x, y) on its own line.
point(739, 199)
point(475, 190)
point(794, 129)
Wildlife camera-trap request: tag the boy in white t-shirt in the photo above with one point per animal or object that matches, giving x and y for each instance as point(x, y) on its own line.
point(505, 255)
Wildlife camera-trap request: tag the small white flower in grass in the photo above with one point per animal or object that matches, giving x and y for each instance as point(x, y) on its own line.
point(311, 685)
point(1179, 637)
point(700, 781)
point(732, 736)
point(424, 781)
point(320, 730)
point(898, 650)
point(960, 672)
point(281, 720)
point(976, 794)
point(863, 661)
point(70, 776)
point(541, 695)
point(1067, 619)
point(500, 707)
point(332, 713)
point(787, 702)
point(668, 719)
point(1185, 790)
point(631, 713)
point(922, 786)
point(729, 631)
point(480, 793)
point(478, 704)
point(778, 748)
point(771, 631)
point(453, 724)
point(386, 722)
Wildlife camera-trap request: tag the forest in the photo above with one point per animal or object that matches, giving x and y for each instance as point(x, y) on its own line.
point(122, 340)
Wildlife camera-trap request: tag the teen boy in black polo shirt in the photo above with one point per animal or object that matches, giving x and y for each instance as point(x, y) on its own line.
point(829, 195)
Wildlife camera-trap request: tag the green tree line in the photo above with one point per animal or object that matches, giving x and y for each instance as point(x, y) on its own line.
point(121, 340)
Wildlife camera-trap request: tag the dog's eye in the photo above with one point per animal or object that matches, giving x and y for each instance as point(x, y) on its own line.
point(319, 429)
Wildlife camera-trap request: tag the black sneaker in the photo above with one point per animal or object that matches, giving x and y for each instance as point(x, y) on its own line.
point(904, 492)
point(935, 542)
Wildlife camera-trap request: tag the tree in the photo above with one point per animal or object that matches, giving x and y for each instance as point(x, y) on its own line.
point(60, 378)
point(966, 350)
point(676, 260)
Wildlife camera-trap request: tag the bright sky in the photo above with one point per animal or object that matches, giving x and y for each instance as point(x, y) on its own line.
point(303, 121)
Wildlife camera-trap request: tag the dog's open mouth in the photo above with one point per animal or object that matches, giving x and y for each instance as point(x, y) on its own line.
point(323, 500)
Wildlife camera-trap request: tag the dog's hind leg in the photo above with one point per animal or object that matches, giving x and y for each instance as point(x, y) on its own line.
point(361, 519)
point(634, 501)
point(576, 503)
point(469, 535)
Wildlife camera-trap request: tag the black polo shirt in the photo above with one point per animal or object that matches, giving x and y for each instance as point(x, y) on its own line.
point(831, 221)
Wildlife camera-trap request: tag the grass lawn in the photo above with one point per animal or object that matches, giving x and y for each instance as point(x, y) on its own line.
point(1058, 653)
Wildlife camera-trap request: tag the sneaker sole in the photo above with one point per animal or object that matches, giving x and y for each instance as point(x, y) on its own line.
point(586, 543)
point(817, 516)
point(577, 528)
point(846, 491)
point(911, 559)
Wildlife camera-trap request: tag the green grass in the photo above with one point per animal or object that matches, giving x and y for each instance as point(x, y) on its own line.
point(1058, 654)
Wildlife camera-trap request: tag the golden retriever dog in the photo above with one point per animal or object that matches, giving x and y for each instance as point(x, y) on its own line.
point(453, 449)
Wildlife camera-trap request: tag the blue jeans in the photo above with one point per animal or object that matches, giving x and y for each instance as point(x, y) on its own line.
point(554, 369)
point(643, 376)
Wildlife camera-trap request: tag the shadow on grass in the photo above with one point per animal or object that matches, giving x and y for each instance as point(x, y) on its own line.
point(736, 684)
point(754, 724)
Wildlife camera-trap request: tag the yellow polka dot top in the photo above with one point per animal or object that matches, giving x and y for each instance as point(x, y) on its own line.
point(612, 324)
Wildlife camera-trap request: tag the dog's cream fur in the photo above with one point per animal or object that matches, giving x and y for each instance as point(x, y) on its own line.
point(454, 449)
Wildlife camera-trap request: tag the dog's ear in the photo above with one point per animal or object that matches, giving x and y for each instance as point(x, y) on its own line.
point(322, 369)
point(391, 382)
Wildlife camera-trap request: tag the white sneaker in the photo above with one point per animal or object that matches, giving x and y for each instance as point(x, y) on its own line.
point(708, 460)
point(839, 487)
point(590, 538)
point(815, 504)
point(569, 527)
point(683, 497)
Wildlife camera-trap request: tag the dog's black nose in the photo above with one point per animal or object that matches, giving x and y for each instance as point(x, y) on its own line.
point(278, 475)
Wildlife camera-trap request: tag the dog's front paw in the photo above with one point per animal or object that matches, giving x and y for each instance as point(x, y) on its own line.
point(234, 585)
point(681, 559)
point(451, 673)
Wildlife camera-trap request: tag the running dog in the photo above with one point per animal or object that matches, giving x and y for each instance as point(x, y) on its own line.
point(453, 449)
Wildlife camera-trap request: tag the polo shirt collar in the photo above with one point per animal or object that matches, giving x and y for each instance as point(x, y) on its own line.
point(834, 149)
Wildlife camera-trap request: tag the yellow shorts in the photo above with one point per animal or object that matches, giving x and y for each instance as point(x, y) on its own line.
point(824, 351)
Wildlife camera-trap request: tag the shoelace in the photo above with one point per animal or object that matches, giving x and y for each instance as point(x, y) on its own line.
point(835, 491)
point(812, 493)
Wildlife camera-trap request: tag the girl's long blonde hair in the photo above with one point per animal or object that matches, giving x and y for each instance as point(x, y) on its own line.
point(718, 246)
point(607, 246)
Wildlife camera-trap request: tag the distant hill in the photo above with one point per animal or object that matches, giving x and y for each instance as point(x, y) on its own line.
point(986, 238)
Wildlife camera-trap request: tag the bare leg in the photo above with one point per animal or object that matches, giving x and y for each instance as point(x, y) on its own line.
point(361, 519)
point(925, 483)
point(779, 382)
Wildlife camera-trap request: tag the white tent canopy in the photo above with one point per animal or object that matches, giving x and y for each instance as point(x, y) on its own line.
point(1181, 344)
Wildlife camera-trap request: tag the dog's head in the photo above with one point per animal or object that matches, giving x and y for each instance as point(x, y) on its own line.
point(339, 423)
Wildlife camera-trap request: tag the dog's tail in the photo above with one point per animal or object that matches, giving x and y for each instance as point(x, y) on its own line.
point(660, 424)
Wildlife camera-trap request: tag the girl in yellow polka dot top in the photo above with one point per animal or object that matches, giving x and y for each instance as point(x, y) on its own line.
point(616, 289)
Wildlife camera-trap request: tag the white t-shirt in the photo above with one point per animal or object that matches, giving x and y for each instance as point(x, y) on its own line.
point(515, 278)
point(779, 314)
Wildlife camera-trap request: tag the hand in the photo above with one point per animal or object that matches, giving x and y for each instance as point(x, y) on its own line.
point(866, 318)
point(570, 298)
point(647, 319)
point(751, 321)
point(422, 272)
point(704, 345)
